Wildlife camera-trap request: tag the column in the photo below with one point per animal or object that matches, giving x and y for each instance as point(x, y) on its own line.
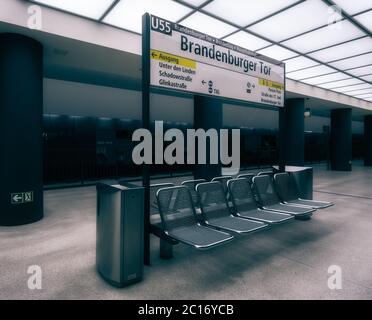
point(291, 133)
point(208, 114)
point(368, 140)
point(21, 109)
point(341, 140)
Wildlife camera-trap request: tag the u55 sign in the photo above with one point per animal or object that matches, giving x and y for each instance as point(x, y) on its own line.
point(187, 60)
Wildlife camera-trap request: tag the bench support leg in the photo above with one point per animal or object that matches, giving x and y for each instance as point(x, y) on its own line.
point(304, 218)
point(166, 249)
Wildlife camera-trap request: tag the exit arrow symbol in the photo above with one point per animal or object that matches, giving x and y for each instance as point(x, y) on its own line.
point(204, 82)
point(17, 198)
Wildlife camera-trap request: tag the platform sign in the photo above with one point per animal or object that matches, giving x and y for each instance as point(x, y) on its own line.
point(187, 60)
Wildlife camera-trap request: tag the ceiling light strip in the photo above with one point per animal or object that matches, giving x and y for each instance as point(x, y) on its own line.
point(304, 68)
point(350, 85)
point(320, 83)
point(337, 44)
point(353, 68)
point(349, 57)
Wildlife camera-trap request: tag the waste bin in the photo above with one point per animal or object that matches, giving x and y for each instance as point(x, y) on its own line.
point(119, 242)
point(304, 179)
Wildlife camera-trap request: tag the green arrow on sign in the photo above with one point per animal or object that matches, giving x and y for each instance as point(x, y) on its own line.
point(17, 198)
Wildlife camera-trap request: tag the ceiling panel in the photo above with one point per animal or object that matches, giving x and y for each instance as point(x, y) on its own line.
point(361, 71)
point(365, 19)
point(355, 87)
point(301, 18)
point(342, 83)
point(277, 52)
point(298, 63)
point(243, 12)
point(363, 96)
point(326, 78)
point(127, 14)
point(94, 10)
point(310, 72)
point(367, 78)
point(203, 23)
point(353, 6)
point(324, 37)
point(246, 40)
point(355, 62)
point(345, 50)
point(358, 92)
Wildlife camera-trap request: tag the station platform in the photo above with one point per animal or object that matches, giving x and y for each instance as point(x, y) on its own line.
point(286, 262)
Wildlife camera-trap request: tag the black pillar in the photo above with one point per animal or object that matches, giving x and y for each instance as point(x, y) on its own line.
point(21, 108)
point(208, 113)
point(291, 133)
point(368, 140)
point(341, 140)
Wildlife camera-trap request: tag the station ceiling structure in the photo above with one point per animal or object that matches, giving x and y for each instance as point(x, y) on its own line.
point(324, 43)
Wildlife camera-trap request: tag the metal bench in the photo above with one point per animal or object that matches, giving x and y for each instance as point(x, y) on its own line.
point(180, 223)
point(246, 206)
point(288, 192)
point(216, 212)
point(268, 199)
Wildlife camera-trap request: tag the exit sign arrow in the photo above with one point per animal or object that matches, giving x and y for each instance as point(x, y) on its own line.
point(22, 197)
point(17, 198)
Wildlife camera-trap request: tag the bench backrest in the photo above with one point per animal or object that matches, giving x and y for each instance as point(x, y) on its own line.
point(242, 195)
point(285, 186)
point(266, 173)
point(264, 189)
point(153, 190)
point(223, 180)
point(212, 200)
point(248, 176)
point(191, 184)
point(176, 207)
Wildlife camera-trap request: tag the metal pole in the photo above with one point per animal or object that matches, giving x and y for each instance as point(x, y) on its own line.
point(146, 125)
